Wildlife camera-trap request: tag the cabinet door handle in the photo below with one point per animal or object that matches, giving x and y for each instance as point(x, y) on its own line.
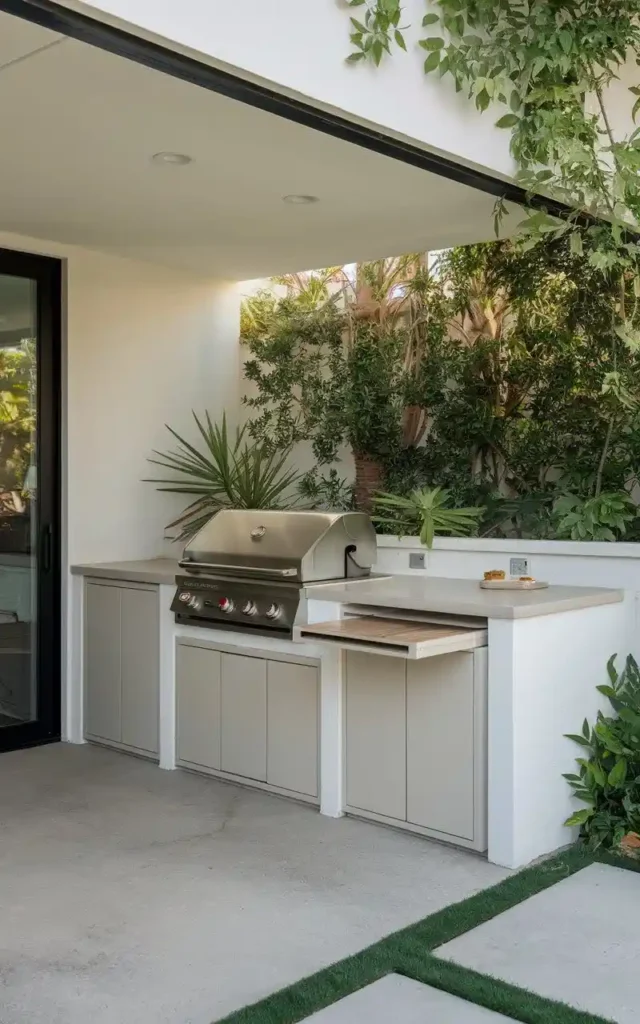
point(45, 548)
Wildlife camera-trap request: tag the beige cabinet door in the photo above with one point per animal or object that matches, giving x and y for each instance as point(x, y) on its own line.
point(198, 705)
point(140, 630)
point(292, 727)
point(244, 716)
point(102, 651)
point(376, 734)
point(440, 744)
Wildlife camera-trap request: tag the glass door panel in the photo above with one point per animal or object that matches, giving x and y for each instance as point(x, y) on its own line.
point(29, 499)
point(18, 501)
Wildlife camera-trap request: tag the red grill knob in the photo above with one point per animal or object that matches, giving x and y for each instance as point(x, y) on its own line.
point(225, 604)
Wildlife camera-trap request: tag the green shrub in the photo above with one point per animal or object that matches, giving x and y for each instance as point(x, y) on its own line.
point(609, 778)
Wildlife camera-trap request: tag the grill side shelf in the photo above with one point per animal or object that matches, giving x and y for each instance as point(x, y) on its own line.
point(395, 637)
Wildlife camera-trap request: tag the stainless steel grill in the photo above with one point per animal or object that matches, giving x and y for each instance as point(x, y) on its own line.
point(245, 569)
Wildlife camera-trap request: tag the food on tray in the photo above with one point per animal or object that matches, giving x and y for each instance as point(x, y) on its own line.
point(495, 574)
point(527, 579)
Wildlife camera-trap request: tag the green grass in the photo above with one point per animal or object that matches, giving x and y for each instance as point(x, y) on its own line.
point(409, 952)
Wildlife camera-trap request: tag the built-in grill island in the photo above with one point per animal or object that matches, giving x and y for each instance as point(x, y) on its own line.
point(405, 699)
point(246, 569)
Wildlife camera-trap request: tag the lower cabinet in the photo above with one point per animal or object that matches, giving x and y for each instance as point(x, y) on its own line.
point(248, 717)
point(376, 742)
point(292, 726)
point(416, 747)
point(243, 716)
point(121, 665)
point(198, 705)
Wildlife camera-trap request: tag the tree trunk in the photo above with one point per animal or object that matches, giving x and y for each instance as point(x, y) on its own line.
point(369, 478)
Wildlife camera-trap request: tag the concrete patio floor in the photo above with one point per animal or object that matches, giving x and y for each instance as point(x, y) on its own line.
point(133, 894)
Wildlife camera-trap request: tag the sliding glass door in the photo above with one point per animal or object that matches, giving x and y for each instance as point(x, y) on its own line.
point(29, 499)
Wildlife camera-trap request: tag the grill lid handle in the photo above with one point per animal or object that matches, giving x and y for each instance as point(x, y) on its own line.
point(239, 569)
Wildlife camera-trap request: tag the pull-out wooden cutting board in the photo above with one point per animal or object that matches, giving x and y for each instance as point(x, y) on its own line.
point(400, 638)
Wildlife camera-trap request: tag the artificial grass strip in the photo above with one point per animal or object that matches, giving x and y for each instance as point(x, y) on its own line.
point(408, 952)
point(515, 1003)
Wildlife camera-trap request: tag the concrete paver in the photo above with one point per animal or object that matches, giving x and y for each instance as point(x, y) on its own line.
point(404, 1001)
point(577, 942)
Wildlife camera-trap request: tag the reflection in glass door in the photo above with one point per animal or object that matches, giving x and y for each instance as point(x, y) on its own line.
point(29, 500)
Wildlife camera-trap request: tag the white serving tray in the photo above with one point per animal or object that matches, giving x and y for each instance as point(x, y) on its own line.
point(512, 585)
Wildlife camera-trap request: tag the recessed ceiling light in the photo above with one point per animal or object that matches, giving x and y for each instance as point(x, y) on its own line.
point(175, 159)
point(297, 200)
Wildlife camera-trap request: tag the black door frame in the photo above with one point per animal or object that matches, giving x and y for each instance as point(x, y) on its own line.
point(47, 273)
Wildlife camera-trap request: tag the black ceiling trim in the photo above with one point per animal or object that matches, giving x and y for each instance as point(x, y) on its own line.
point(89, 30)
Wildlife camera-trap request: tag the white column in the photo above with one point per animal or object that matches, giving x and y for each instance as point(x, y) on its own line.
point(72, 661)
point(331, 734)
point(501, 767)
point(543, 674)
point(167, 730)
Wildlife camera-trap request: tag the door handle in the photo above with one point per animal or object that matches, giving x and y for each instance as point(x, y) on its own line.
point(45, 548)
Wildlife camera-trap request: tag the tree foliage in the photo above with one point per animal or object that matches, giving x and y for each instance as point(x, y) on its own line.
point(17, 421)
point(487, 375)
point(549, 64)
point(345, 361)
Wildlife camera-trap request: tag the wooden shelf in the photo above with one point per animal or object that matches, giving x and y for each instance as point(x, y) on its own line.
point(396, 637)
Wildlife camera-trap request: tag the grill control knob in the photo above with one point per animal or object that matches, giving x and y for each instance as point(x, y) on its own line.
point(225, 604)
point(196, 603)
point(249, 608)
point(274, 611)
point(185, 597)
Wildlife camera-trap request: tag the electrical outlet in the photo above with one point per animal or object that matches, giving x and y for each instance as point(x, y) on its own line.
point(519, 567)
point(416, 560)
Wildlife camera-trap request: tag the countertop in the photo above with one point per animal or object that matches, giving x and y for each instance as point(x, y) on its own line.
point(461, 597)
point(150, 570)
point(411, 593)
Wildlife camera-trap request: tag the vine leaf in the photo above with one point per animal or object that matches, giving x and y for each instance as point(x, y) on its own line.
point(507, 121)
point(566, 40)
point(399, 38)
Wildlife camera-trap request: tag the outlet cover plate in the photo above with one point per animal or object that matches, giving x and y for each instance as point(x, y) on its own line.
point(519, 567)
point(417, 560)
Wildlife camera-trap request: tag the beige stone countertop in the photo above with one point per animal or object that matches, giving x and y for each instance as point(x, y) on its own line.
point(150, 570)
point(411, 593)
point(461, 597)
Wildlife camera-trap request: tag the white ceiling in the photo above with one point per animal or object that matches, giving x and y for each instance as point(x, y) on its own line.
point(78, 127)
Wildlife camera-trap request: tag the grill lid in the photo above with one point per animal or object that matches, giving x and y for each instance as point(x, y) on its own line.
point(303, 547)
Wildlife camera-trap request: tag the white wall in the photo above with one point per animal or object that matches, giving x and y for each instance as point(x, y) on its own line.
point(300, 48)
point(144, 346)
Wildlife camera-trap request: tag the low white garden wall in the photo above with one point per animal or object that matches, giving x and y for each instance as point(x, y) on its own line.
point(565, 562)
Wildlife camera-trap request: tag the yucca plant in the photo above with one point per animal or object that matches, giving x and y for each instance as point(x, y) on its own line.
point(426, 512)
point(229, 472)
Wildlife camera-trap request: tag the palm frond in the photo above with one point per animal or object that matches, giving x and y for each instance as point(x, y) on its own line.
point(230, 470)
point(429, 511)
